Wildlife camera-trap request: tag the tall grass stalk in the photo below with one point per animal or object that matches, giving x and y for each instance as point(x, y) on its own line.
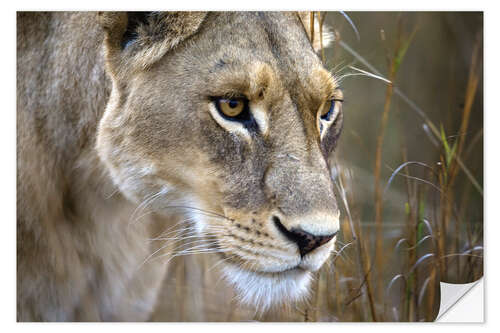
point(419, 111)
point(400, 49)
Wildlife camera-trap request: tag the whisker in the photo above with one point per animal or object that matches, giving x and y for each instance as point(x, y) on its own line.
point(184, 254)
point(174, 251)
point(187, 236)
point(362, 73)
point(341, 250)
point(112, 193)
point(348, 19)
point(219, 262)
point(169, 229)
point(208, 213)
point(146, 202)
point(190, 228)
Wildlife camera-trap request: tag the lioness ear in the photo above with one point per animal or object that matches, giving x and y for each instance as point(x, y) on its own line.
point(139, 39)
point(319, 34)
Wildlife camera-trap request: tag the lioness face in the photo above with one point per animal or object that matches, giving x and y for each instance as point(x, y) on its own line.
point(233, 128)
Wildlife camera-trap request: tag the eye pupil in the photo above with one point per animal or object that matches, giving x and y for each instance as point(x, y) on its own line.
point(232, 103)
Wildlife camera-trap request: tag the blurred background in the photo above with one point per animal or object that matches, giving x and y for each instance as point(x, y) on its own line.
point(408, 173)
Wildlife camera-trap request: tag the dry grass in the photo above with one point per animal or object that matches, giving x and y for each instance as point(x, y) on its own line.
point(429, 250)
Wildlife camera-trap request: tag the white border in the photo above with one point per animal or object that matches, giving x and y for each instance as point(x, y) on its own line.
point(492, 162)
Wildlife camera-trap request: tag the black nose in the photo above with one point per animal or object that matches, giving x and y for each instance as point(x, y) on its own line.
point(305, 240)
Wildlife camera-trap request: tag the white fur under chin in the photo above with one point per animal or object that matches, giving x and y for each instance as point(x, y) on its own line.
point(264, 290)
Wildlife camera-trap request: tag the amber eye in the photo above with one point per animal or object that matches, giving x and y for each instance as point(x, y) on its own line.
point(231, 107)
point(331, 109)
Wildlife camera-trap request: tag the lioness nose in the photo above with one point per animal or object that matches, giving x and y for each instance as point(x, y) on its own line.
point(305, 240)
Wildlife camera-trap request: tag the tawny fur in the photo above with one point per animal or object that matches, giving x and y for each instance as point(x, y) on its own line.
point(104, 127)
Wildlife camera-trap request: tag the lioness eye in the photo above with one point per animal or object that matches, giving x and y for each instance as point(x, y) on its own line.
point(331, 109)
point(231, 108)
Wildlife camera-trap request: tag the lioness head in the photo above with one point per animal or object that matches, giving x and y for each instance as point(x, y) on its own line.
point(230, 118)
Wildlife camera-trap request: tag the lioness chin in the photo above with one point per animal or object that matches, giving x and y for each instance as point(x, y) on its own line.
point(138, 129)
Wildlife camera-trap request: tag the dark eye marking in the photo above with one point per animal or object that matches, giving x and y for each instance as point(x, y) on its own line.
point(332, 104)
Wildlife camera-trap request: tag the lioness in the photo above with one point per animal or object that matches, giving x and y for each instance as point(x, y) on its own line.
point(140, 126)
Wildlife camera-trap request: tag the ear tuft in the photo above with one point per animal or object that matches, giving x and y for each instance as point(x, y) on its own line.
point(136, 40)
point(169, 28)
point(320, 35)
point(135, 20)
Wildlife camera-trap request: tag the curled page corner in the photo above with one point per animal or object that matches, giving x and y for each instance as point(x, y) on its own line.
point(457, 306)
